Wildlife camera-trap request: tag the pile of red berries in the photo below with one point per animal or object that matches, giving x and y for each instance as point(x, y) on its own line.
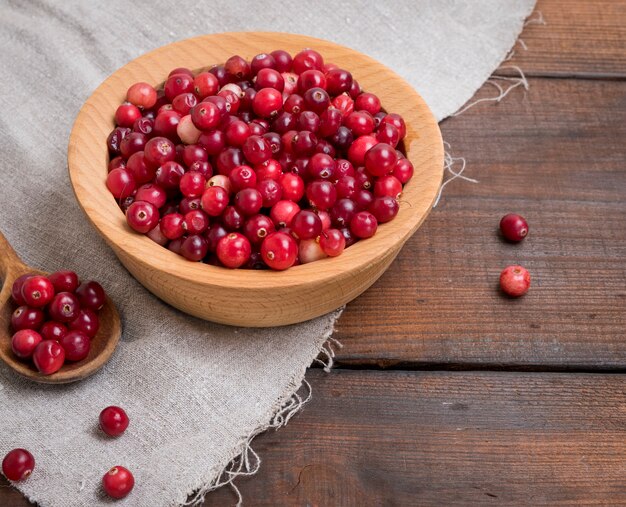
point(56, 318)
point(18, 464)
point(268, 163)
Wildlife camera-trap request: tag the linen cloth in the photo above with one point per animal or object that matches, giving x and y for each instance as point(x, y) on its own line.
point(195, 391)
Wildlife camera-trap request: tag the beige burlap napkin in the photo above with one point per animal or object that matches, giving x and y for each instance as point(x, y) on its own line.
point(196, 392)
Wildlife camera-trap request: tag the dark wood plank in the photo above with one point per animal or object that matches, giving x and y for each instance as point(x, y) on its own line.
point(556, 155)
point(582, 38)
point(428, 438)
point(420, 438)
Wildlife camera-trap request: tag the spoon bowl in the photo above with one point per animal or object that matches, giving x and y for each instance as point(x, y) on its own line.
point(102, 345)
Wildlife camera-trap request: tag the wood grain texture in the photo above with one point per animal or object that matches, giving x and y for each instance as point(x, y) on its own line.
point(269, 298)
point(102, 345)
point(581, 38)
point(426, 438)
point(556, 155)
point(410, 438)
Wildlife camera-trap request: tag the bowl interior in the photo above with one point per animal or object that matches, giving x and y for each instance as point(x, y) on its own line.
point(87, 155)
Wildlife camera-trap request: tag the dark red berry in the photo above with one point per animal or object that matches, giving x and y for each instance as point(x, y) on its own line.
point(514, 227)
point(18, 464)
point(113, 420)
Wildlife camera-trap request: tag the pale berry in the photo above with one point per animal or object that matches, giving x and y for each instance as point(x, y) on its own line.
point(515, 281)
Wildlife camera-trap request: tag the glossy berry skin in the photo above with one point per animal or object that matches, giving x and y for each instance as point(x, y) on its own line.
point(248, 201)
point(321, 194)
point(194, 248)
point(126, 115)
point(23, 343)
point(292, 186)
point(271, 192)
point(214, 200)
point(25, 317)
point(338, 81)
point(16, 289)
point(282, 60)
point(306, 225)
point(380, 159)
point(37, 291)
point(48, 357)
point(53, 330)
point(363, 225)
point(514, 227)
point(64, 281)
point(234, 250)
point(192, 184)
point(515, 281)
point(384, 209)
point(76, 345)
point(142, 95)
point(177, 84)
point(307, 59)
point(64, 307)
point(205, 84)
point(257, 227)
point(279, 251)
point(358, 149)
point(113, 421)
point(86, 322)
point(142, 216)
point(18, 464)
point(257, 149)
point(172, 226)
point(267, 102)
point(153, 194)
point(118, 482)
point(282, 213)
point(332, 242)
point(206, 116)
point(91, 295)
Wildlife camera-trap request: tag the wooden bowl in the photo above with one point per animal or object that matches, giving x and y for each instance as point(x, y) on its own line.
point(247, 297)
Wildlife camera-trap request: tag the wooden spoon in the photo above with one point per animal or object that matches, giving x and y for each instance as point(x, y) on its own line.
point(102, 345)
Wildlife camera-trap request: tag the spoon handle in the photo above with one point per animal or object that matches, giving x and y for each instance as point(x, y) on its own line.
point(8, 257)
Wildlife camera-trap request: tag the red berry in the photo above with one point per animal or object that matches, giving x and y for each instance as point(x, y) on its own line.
point(233, 250)
point(332, 242)
point(126, 115)
point(380, 159)
point(267, 102)
point(53, 330)
point(248, 201)
point(237, 67)
point(279, 251)
point(91, 295)
point(177, 84)
point(205, 84)
point(86, 322)
point(196, 222)
point(321, 194)
point(64, 307)
point(172, 225)
point(24, 342)
point(271, 192)
point(214, 200)
point(384, 209)
point(387, 186)
point(292, 186)
point(113, 420)
point(363, 225)
point(242, 177)
point(16, 289)
point(257, 227)
point(282, 60)
point(367, 102)
point(48, 357)
point(358, 149)
point(192, 184)
point(307, 59)
point(158, 151)
point(403, 170)
point(339, 81)
point(306, 225)
point(64, 281)
point(118, 482)
point(514, 227)
point(515, 281)
point(18, 464)
point(194, 248)
point(257, 149)
point(37, 291)
point(206, 116)
point(25, 317)
point(360, 123)
point(142, 216)
point(76, 345)
point(270, 78)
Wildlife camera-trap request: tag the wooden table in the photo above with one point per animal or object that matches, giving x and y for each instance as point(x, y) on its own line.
point(447, 393)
